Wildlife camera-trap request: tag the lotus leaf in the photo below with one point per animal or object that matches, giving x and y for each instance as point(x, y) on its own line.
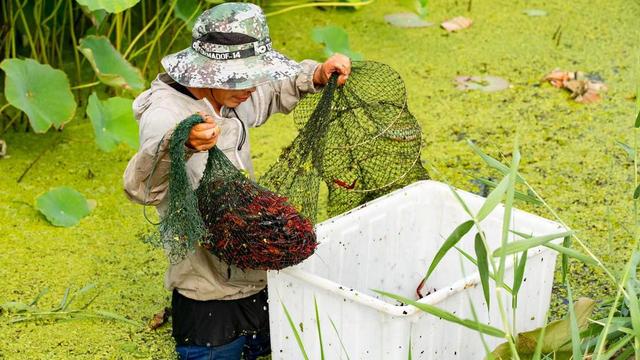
point(335, 40)
point(187, 11)
point(41, 91)
point(111, 68)
point(113, 122)
point(112, 6)
point(486, 83)
point(406, 20)
point(63, 206)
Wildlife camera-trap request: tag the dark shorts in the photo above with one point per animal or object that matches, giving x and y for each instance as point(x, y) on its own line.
point(206, 326)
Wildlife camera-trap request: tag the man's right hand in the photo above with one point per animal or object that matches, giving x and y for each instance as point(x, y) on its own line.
point(204, 136)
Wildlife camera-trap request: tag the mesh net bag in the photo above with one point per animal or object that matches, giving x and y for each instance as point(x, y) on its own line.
point(359, 139)
point(237, 220)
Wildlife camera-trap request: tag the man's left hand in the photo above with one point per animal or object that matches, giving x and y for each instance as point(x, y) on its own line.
point(338, 63)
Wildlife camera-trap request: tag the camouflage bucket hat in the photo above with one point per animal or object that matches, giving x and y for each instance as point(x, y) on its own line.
point(231, 49)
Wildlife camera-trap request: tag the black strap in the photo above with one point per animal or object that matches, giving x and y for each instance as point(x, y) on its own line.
point(182, 89)
point(244, 130)
point(218, 51)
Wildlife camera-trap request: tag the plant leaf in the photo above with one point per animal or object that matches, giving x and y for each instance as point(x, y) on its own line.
point(566, 243)
point(109, 65)
point(344, 350)
point(452, 240)
point(35, 300)
point(475, 262)
point(522, 245)
point(315, 304)
point(87, 288)
point(637, 124)
point(508, 210)
point(96, 17)
point(537, 353)
point(335, 40)
point(112, 6)
point(504, 169)
point(40, 91)
point(564, 249)
point(113, 122)
point(518, 195)
point(483, 267)
point(575, 332)
point(556, 335)
point(16, 307)
point(295, 332)
point(445, 315)
point(636, 193)
point(460, 201)
point(187, 11)
point(62, 206)
point(613, 349)
point(65, 300)
point(422, 7)
point(518, 276)
point(588, 260)
point(116, 317)
point(632, 296)
point(493, 199)
point(406, 20)
point(628, 149)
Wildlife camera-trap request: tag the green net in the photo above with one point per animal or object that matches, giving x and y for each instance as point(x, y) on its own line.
point(359, 139)
point(237, 220)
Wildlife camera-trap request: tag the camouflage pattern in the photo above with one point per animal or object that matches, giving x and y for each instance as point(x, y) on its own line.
point(190, 67)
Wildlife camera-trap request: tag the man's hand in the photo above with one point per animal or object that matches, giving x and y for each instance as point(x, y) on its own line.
point(204, 136)
point(336, 63)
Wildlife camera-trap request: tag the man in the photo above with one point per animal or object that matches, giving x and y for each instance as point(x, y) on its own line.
point(232, 77)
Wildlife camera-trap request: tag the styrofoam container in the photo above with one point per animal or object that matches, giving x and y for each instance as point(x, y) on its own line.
point(388, 244)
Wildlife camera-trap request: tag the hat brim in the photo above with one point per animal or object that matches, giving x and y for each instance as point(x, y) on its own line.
point(190, 68)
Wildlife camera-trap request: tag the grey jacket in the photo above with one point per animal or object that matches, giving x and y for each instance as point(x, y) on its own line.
point(201, 276)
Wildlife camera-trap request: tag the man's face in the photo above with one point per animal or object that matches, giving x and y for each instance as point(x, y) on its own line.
point(231, 98)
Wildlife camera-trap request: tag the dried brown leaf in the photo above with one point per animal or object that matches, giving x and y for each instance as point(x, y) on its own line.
point(160, 318)
point(557, 78)
point(584, 89)
point(588, 98)
point(556, 338)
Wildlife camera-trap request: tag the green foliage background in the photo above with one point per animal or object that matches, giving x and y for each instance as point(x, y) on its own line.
point(569, 154)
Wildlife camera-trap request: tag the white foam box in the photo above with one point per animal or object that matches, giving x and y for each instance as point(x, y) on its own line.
point(388, 244)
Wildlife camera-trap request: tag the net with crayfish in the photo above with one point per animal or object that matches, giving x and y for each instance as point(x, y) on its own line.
point(241, 222)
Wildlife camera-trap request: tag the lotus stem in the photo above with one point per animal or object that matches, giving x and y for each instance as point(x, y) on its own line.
point(84, 86)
